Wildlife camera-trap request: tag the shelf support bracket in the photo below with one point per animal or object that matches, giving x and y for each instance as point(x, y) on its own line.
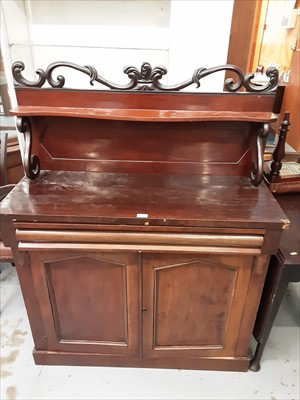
point(256, 174)
point(31, 161)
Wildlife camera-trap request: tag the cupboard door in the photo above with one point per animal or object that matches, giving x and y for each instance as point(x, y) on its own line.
point(89, 301)
point(193, 304)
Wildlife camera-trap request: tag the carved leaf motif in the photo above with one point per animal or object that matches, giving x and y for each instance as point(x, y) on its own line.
point(271, 73)
point(17, 69)
point(145, 71)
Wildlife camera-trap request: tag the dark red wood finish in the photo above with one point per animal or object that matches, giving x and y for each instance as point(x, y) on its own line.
point(142, 242)
point(53, 98)
point(168, 200)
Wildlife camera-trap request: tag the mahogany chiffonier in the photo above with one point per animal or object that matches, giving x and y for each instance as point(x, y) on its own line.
point(142, 232)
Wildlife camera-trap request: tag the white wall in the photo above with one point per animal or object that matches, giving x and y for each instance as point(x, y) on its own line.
point(199, 37)
point(182, 35)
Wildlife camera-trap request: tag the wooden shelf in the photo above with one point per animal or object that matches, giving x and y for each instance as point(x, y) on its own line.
point(144, 114)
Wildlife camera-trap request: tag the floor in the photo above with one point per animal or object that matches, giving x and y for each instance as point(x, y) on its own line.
point(22, 379)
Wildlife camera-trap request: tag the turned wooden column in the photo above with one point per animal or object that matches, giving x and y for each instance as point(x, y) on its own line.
point(279, 152)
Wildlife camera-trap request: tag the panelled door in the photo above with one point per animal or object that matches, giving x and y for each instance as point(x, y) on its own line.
point(193, 304)
point(89, 301)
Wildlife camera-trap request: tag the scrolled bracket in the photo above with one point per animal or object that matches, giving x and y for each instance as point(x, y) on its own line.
point(31, 161)
point(256, 173)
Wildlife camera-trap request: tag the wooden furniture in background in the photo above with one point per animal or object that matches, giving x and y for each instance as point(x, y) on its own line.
point(281, 46)
point(15, 170)
point(285, 264)
point(283, 175)
point(291, 100)
point(284, 268)
point(244, 34)
point(11, 171)
point(11, 161)
point(256, 38)
point(141, 233)
point(5, 189)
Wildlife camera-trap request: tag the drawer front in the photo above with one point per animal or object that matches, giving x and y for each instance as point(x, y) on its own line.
point(139, 241)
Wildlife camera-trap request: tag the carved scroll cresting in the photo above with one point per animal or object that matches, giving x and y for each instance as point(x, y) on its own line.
point(31, 161)
point(256, 174)
point(271, 72)
point(145, 79)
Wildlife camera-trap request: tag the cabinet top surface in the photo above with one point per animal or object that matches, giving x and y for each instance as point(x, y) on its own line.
point(136, 199)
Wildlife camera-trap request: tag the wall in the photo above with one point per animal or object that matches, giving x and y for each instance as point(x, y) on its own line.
point(281, 46)
point(199, 37)
point(182, 35)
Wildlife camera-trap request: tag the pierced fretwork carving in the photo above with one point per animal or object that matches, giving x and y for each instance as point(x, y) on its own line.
point(257, 165)
point(146, 79)
point(31, 161)
point(279, 152)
